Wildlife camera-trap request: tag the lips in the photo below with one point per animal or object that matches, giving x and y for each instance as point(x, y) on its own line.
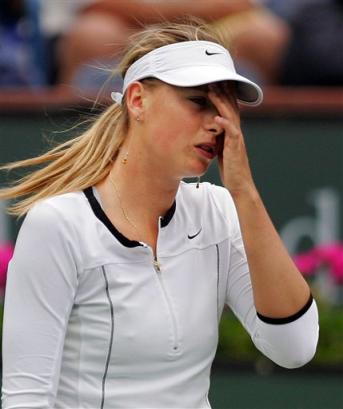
point(207, 150)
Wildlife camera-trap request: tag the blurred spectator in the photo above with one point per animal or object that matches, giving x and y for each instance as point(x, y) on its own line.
point(56, 19)
point(47, 42)
point(101, 29)
point(314, 53)
point(20, 45)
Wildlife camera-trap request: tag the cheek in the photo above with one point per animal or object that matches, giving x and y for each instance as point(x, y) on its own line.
point(171, 128)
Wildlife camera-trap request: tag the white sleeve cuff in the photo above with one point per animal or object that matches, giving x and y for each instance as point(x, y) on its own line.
point(289, 342)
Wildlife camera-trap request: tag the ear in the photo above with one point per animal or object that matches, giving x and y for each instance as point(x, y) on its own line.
point(134, 99)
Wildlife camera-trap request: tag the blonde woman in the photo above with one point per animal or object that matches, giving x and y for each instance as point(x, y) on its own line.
point(121, 270)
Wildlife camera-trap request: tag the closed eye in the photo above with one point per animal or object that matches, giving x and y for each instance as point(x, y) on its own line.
point(200, 101)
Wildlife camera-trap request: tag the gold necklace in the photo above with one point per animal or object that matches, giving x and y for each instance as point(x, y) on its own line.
point(122, 208)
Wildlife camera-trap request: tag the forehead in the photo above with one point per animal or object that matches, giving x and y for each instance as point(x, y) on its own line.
point(202, 88)
point(224, 85)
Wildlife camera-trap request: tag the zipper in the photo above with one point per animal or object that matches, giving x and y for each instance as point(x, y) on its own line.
point(157, 267)
point(158, 270)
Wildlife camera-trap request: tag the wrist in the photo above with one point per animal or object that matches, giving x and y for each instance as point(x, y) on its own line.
point(246, 192)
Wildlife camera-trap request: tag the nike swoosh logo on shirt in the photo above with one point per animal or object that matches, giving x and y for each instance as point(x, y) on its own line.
point(209, 53)
point(196, 234)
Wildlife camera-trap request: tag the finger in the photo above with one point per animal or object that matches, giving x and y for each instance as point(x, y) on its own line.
point(220, 105)
point(231, 129)
point(230, 88)
point(227, 91)
point(226, 107)
point(228, 117)
point(220, 144)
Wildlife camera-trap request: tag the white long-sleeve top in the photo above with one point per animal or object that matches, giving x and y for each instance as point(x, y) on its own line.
point(92, 320)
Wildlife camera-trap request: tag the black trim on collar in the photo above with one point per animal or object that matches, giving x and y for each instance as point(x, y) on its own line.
point(101, 215)
point(169, 215)
point(287, 320)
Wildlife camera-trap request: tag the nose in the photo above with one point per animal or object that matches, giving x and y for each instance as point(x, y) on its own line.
point(216, 130)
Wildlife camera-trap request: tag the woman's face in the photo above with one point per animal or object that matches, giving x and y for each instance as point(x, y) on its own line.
point(179, 129)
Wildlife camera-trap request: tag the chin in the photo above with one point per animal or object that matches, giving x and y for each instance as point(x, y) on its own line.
point(195, 174)
point(196, 168)
point(201, 170)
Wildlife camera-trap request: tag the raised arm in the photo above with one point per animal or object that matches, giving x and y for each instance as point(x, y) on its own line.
point(265, 289)
point(279, 288)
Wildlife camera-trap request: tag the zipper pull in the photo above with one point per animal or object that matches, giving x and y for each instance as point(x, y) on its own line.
point(157, 265)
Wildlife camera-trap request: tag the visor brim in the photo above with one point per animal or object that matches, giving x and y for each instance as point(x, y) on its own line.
point(248, 92)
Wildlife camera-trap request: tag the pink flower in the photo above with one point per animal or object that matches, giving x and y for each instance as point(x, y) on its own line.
point(6, 253)
point(337, 269)
point(328, 252)
point(327, 255)
point(307, 262)
point(332, 256)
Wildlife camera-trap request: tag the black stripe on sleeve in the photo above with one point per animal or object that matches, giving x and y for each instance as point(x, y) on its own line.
point(287, 320)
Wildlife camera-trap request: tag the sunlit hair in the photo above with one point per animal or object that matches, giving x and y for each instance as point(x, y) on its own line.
point(88, 158)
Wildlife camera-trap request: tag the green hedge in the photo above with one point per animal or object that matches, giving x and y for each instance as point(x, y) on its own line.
point(235, 344)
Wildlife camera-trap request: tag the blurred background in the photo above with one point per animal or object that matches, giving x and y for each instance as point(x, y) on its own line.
point(55, 60)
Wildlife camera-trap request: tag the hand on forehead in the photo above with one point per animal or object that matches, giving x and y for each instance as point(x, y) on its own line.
point(227, 88)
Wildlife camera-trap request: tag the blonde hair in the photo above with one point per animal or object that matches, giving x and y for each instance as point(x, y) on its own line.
point(87, 159)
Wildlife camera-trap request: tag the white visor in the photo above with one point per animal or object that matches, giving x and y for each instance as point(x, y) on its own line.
point(191, 64)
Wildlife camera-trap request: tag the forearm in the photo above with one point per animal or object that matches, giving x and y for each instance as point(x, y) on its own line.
point(278, 287)
point(152, 11)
